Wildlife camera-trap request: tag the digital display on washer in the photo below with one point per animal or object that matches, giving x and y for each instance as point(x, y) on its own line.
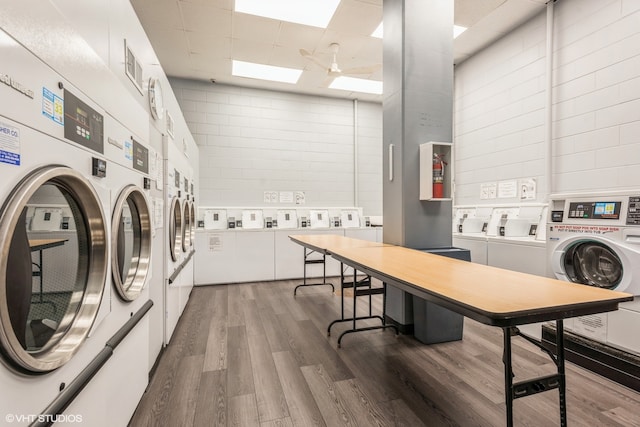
point(82, 124)
point(595, 210)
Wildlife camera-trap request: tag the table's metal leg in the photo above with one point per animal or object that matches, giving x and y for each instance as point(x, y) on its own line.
point(508, 376)
point(355, 297)
point(306, 261)
point(562, 389)
point(41, 276)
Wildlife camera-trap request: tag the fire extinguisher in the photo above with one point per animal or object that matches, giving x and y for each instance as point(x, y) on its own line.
point(438, 175)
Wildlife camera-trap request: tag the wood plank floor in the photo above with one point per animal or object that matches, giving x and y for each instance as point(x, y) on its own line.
point(253, 355)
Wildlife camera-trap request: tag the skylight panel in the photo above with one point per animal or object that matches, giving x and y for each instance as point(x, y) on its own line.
point(316, 13)
point(353, 84)
point(265, 72)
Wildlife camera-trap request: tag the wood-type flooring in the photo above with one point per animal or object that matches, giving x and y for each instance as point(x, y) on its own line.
point(254, 355)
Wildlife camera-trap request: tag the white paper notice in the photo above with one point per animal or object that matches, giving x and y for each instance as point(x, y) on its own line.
point(300, 198)
point(527, 189)
point(215, 243)
point(271, 197)
point(508, 189)
point(286, 197)
point(488, 190)
point(158, 207)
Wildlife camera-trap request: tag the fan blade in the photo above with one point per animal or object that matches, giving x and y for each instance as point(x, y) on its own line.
point(307, 55)
point(363, 70)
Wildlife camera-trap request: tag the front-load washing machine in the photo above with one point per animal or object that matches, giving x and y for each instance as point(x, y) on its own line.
point(177, 243)
point(594, 239)
point(53, 233)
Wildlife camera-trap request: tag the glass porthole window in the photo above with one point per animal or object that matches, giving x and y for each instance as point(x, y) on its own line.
point(593, 263)
point(54, 267)
point(186, 229)
point(130, 243)
point(192, 215)
point(175, 229)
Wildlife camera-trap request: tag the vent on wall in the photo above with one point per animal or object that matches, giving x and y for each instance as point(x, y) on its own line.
point(132, 67)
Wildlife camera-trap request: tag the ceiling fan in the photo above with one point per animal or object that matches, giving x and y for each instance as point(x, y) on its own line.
point(333, 70)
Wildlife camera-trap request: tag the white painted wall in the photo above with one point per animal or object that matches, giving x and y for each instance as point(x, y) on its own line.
point(251, 141)
point(499, 113)
point(499, 103)
point(596, 102)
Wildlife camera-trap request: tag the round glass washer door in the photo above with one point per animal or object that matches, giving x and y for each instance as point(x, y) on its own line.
point(175, 229)
point(186, 228)
point(130, 243)
point(54, 268)
point(593, 263)
point(192, 230)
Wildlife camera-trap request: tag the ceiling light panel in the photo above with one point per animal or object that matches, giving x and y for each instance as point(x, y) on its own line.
point(316, 13)
point(352, 84)
point(265, 72)
point(457, 30)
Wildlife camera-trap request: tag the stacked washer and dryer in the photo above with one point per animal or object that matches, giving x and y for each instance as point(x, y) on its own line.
point(594, 239)
point(74, 220)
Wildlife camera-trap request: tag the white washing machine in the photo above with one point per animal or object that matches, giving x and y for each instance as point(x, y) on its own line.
point(594, 239)
point(470, 230)
point(178, 235)
point(54, 232)
point(131, 236)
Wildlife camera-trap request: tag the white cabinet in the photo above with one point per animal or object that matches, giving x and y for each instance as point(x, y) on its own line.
point(236, 256)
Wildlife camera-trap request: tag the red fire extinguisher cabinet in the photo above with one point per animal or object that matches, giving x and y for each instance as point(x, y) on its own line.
point(436, 171)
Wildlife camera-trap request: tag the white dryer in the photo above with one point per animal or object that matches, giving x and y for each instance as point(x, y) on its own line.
point(54, 232)
point(594, 239)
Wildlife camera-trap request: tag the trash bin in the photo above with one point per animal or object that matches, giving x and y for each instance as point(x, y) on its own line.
point(431, 322)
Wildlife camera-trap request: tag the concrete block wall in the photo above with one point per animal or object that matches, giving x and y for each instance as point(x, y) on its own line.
point(499, 113)
point(251, 141)
point(500, 101)
point(596, 95)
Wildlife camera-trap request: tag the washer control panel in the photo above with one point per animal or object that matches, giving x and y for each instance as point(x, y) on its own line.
point(595, 210)
point(633, 211)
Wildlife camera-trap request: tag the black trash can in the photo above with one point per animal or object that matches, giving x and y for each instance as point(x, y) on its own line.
point(431, 322)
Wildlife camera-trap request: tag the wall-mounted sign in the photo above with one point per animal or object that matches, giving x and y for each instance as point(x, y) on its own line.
point(488, 190)
point(508, 189)
point(527, 189)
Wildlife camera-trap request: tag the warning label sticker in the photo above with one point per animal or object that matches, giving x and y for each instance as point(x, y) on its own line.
point(590, 229)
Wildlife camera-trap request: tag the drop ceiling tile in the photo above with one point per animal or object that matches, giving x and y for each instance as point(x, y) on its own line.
point(158, 12)
point(299, 36)
point(251, 27)
point(288, 57)
point(251, 51)
point(167, 39)
point(354, 17)
point(211, 64)
point(222, 4)
point(204, 44)
point(206, 19)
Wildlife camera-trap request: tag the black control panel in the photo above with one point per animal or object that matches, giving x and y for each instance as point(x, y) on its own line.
point(633, 211)
point(595, 210)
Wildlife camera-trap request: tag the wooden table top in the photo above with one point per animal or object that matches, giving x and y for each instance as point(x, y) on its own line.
point(488, 294)
point(38, 244)
point(327, 243)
